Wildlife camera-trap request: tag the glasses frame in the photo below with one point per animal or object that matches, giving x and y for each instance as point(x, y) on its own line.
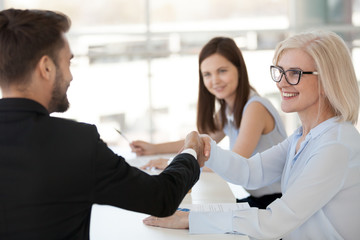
point(283, 73)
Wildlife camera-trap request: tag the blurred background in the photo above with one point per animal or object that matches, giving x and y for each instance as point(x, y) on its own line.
point(136, 68)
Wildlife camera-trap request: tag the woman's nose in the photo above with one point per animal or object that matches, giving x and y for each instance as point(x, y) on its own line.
point(215, 78)
point(283, 81)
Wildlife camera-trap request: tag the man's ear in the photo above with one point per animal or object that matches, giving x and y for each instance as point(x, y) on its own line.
point(46, 67)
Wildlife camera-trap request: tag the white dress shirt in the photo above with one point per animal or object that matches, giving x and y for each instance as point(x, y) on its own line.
point(320, 185)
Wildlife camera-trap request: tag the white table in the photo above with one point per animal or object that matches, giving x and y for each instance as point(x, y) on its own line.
point(111, 223)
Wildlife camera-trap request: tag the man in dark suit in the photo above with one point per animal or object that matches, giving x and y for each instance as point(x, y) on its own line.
point(52, 170)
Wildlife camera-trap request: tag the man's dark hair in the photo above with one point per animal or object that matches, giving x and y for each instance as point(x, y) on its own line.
point(25, 37)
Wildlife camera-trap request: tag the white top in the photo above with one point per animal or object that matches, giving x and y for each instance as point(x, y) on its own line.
point(277, 135)
point(320, 186)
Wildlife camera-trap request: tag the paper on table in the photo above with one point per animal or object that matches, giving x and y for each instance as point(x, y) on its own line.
point(217, 207)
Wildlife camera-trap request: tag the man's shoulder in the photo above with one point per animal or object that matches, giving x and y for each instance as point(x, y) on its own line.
point(72, 126)
point(69, 121)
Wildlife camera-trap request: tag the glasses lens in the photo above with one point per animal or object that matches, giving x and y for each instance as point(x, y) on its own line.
point(275, 74)
point(293, 76)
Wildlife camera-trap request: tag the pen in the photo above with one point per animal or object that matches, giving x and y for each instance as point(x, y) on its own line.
point(123, 135)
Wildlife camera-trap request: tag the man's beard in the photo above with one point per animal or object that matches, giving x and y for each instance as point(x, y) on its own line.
point(59, 101)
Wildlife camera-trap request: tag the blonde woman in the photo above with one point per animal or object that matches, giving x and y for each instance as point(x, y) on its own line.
point(319, 164)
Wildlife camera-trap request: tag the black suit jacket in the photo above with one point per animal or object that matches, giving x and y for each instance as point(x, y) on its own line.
point(53, 170)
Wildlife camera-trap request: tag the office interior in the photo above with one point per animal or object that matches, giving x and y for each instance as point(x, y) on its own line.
point(136, 69)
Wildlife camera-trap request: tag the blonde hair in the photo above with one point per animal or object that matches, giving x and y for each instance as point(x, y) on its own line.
point(334, 65)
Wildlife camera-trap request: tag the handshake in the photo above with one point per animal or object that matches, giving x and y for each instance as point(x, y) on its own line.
point(198, 142)
point(201, 144)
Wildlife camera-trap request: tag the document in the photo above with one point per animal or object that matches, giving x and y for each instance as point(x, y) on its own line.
point(215, 207)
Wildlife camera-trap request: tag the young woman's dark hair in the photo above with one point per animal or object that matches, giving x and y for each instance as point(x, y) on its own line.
point(206, 111)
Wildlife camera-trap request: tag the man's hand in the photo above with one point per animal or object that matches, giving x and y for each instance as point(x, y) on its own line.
point(201, 145)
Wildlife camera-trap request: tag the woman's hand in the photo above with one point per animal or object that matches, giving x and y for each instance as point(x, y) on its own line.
point(179, 220)
point(159, 163)
point(142, 148)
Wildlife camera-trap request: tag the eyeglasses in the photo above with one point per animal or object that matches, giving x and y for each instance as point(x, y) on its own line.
point(292, 76)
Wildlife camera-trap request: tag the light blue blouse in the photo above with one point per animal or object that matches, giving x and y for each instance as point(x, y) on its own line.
point(277, 135)
point(320, 186)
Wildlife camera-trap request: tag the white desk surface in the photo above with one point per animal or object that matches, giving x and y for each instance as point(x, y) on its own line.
point(111, 223)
